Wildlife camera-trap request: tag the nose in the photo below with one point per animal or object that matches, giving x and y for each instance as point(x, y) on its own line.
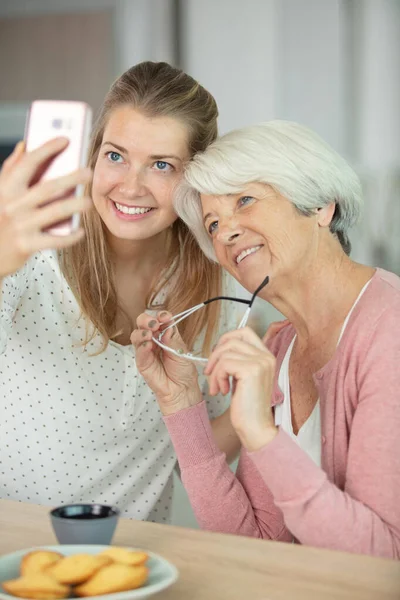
point(132, 184)
point(229, 233)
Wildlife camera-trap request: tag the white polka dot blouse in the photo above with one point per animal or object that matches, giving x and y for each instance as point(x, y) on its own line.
point(76, 427)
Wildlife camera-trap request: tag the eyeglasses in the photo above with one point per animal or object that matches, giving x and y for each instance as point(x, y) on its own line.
point(186, 313)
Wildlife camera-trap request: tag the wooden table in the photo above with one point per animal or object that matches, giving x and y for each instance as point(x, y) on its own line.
point(225, 567)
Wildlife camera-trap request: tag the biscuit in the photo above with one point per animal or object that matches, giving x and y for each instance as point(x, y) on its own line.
point(114, 578)
point(37, 586)
point(76, 568)
point(38, 560)
point(125, 556)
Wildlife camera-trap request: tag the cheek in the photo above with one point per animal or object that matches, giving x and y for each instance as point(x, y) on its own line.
point(163, 190)
point(104, 179)
point(220, 252)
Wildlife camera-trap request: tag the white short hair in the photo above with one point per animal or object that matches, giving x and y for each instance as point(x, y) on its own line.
point(289, 157)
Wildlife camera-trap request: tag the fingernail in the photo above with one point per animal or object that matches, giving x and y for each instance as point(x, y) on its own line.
point(144, 333)
point(163, 313)
point(152, 323)
point(144, 344)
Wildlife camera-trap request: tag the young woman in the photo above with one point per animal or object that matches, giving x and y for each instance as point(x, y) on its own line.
point(78, 422)
point(318, 410)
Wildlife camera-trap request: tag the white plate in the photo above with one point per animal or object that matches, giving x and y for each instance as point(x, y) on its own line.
point(162, 573)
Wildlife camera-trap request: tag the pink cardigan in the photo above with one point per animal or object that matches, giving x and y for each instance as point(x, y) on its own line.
point(352, 503)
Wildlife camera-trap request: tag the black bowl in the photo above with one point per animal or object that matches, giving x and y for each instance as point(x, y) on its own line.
point(84, 511)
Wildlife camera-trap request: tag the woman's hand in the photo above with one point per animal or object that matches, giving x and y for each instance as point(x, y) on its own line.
point(242, 355)
point(23, 216)
point(174, 380)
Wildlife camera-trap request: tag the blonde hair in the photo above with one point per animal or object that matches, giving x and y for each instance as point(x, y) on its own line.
point(289, 157)
point(156, 89)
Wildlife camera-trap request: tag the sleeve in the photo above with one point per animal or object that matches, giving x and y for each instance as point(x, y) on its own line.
point(222, 501)
point(13, 288)
point(364, 517)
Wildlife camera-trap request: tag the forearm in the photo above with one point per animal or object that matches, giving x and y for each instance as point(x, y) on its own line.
point(225, 436)
point(218, 498)
point(315, 510)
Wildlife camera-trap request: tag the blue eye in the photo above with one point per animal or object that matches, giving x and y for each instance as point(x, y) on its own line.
point(114, 156)
point(244, 200)
point(161, 165)
point(212, 227)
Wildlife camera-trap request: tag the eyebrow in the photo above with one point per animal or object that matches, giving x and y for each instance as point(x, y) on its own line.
point(206, 217)
point(153, 156)
point(115, 146)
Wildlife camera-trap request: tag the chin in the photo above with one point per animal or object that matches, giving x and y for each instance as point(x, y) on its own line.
point(254, 277)
point(127, 233)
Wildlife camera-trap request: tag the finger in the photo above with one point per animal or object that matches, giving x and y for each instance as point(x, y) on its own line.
point(274, 329)
point(31, 162)
point(47, 191)
point(164, 316)
point(244, 333)
point(54, 188)
point(229, 365)
point(240, 347)
point(145, 357)
point(14, 157)
point(138, 336)
point(55, 212)
point(172, 336)
point(222, 379)
point(146, 321)
point(146, 350)
point(44, 241)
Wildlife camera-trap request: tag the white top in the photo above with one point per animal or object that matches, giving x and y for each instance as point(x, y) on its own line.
point(75, 427)
point(309, 435)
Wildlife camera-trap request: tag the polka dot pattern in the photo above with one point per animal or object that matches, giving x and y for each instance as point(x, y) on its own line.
point(76, 427)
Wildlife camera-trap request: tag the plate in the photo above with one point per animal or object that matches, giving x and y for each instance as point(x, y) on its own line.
point(162, 572)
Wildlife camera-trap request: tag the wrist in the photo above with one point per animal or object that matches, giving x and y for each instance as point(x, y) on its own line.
point(185, 399)
point(255, 440)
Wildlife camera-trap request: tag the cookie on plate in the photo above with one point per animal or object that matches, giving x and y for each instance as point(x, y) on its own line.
point(114, 578)
point(125, 556)
point(38, 560)
point(77, 568)
point(37, 586)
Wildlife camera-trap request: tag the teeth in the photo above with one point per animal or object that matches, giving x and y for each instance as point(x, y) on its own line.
point(127, 210)
point(246, 253)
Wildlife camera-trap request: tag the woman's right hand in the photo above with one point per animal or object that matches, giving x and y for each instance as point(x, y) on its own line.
point(23, 218)
point(174, 380)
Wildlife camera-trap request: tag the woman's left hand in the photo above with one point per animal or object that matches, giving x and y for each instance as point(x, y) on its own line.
point(242, 355)
point(173, 379)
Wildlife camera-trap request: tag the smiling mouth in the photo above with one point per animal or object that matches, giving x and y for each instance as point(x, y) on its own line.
point(131, 210)
point(246, 253)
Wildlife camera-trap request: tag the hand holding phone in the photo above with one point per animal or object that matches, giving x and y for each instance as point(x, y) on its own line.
point(48, 119)
point(27, 211)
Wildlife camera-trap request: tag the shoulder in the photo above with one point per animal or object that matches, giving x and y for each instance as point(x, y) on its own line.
point(43, 261)
point(383, 291)
point(42, 270)
point(372, 342)
point(377, 314)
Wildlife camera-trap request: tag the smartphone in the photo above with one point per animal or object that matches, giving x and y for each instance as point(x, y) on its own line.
point(48, 119)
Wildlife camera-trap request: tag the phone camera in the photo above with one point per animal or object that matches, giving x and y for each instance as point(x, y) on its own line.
point(57, 123)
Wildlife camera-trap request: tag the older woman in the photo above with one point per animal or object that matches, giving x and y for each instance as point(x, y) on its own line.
point(317, 409)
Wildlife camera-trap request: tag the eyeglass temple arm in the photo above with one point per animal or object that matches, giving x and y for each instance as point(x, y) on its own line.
point(182, 315)
point(246, 315)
